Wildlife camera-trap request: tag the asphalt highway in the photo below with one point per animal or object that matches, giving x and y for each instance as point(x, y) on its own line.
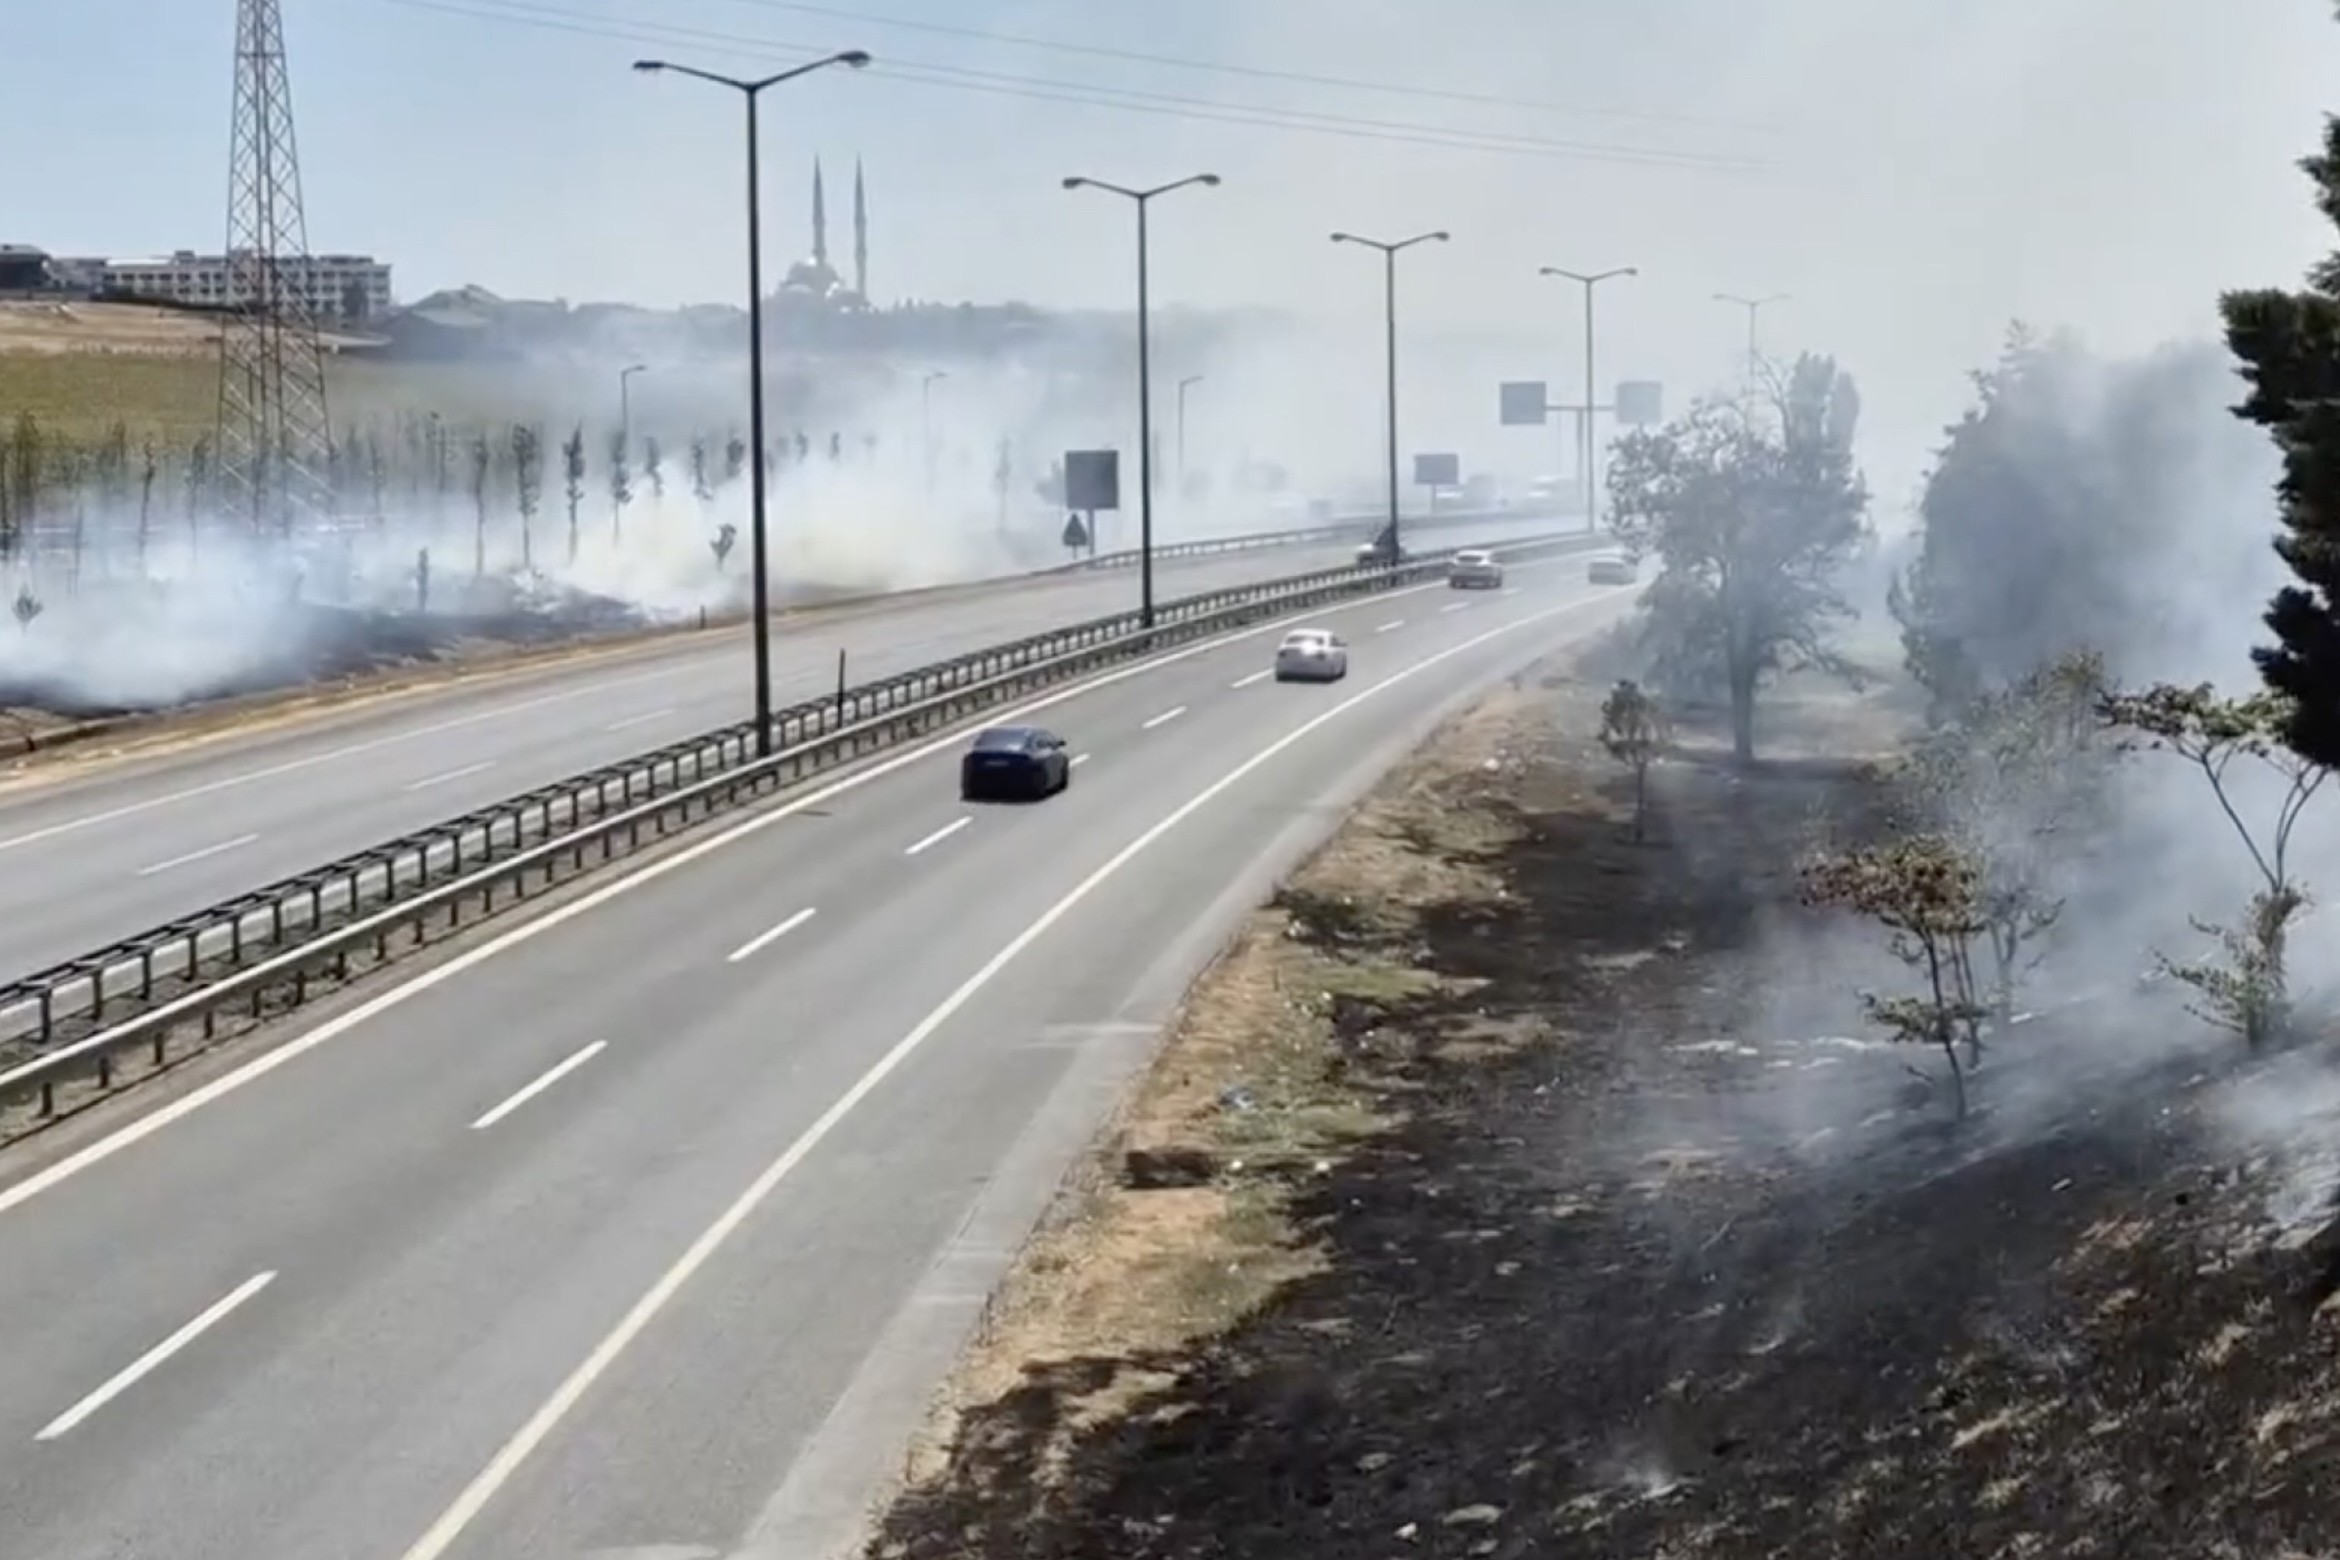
point(642, 1227)
point(87, 861)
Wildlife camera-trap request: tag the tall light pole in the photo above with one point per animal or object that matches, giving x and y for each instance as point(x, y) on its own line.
point(1389, 254)
point(926, 424)
point(1184, 385)
point(1754, 307)
point(759, 543)
point(1141, 199)
point(1588, 447)
point(626, 400)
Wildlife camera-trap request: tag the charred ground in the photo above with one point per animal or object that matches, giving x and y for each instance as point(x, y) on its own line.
point(1478, 1209)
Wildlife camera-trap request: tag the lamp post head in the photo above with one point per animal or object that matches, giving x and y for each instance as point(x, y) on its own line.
point(1075, 182)
point(1441, 235)
point(1211, 179)
point(652, 66)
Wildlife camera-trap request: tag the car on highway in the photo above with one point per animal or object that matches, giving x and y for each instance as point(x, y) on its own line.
point(1312, 655)
point(1474, 568)
point(1014, 763)
point(1380, 553)
point(1611, 570)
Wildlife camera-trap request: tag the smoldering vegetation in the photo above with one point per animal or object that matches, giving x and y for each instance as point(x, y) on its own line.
point(2081, 868)
point(532, 513)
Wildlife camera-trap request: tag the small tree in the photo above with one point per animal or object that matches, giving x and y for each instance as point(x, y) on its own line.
point(2016, 778)
point(573, 482)
point(1003, 479)
point(1926, 892)
point(735, 458)
point(28, 606)
point(621, 486)
point(701, 488)
point(149, 468)
point(726, 537)
point(2248, 991)
point(528, 485)
point(1633, 730)
point(482, 462)
point(377, 480)
point(654, 469)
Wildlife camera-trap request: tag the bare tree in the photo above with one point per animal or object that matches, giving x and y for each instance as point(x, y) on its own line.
point(573, 482)
point(528, 485)
point(621, 485)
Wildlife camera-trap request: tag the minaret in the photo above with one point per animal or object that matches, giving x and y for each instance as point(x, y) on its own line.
point(820, 219)
point(860, 234)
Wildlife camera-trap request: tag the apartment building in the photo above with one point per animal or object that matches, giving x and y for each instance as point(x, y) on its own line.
point(339, 287)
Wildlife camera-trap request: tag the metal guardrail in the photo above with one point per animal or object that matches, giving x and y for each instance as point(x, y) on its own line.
point(1356, 528)
point(265, 951)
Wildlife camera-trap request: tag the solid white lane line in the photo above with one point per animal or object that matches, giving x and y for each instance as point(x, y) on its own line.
point(1079, 759)
point(331, 755)
point(143, 1366)
point(939, 835)
point(550, 1077)
point(221, 849)
point(642, 719)
point(442, 1534)
point(1163, 719)
point(762, 940)
point(452, 774)
point(1392, 623)
point(328, 1030)
point(1245, 682)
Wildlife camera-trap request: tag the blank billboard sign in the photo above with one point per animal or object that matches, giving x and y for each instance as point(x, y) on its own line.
point(1525, 402)
point(1092, 480)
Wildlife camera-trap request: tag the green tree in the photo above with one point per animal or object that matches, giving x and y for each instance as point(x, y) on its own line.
point(1751, 517)
point(2289, 344)
point(654, 469)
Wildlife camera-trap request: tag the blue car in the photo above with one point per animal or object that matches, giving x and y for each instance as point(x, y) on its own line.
point(1014, 763)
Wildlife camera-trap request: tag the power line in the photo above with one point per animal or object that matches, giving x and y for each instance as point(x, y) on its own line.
point(1231, 68)
point(1127, 100)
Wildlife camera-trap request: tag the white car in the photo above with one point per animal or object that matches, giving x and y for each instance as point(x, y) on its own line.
point(1312, 655)
point(1611, 570)
point(1474, 568)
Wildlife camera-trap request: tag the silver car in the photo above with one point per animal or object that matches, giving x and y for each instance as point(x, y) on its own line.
point(1312, 655)
point(1611, 570)
point(1474, 568)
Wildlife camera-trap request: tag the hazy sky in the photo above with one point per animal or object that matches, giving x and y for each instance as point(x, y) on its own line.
point(1913, 172)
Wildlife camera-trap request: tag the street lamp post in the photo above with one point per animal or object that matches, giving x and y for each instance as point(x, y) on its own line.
point(1184, 385)
point(1588, 449)
point(1754, 307)
point(1389, 254)
point(926, 425)
point(1141, 199)
point(759, 545)
point(626, 400)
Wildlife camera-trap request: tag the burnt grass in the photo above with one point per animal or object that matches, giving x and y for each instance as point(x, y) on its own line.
point(1549, 1327)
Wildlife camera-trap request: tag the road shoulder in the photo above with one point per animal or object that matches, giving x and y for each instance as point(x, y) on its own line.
point(1505, 1190)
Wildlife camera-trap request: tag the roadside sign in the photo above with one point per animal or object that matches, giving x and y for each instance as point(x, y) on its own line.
point(1438, 471)
point(1092, 480)
point(1526, 403)
point(1640, 403)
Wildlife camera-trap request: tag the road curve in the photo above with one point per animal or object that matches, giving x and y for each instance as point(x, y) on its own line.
point(128, 847)
point(640, 1228)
